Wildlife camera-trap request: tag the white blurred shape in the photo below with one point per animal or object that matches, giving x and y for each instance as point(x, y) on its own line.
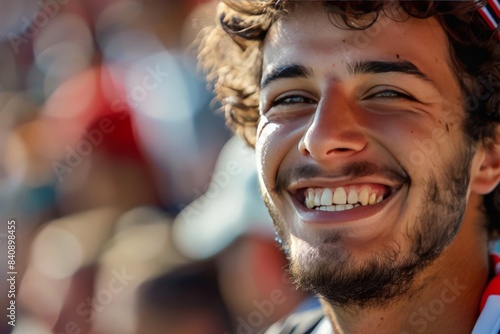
point(142, 234)
point(30, 325)
point(142, 242)
point(200, 241)
point(231, 207)
point(65, 41)
point(57, 253)
point(169, 100)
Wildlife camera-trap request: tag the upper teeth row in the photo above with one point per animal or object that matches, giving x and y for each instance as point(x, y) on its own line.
point(327, 197)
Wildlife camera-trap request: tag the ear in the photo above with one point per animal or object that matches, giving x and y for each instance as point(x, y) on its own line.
point(486, 165)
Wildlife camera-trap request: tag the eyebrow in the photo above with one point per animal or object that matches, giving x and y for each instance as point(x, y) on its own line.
point(360, 67)
point(377, 67)
point(286, 72)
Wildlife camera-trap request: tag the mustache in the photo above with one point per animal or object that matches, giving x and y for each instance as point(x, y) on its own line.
point(352, 171)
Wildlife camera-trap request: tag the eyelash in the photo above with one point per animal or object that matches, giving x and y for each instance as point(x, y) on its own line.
point(395, 95)
point(283, 100)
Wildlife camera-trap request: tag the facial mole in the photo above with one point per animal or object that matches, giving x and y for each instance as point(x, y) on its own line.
point(397, 55)
point(447, 128)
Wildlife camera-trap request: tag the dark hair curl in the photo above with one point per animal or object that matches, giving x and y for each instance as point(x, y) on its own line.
point(231, 54)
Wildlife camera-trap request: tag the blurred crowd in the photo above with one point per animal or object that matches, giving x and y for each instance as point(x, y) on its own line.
point(129, 219)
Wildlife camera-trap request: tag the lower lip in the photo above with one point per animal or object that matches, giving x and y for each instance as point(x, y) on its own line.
point(311, 216)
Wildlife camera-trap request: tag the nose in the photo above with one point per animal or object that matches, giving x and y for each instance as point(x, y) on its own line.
point(335, 130)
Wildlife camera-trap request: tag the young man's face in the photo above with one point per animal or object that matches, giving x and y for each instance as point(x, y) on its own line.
point(362, 158)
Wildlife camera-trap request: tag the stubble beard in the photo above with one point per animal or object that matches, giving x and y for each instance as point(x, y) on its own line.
point(387, 276)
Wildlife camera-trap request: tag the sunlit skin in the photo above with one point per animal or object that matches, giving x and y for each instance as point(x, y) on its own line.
point(338, 108)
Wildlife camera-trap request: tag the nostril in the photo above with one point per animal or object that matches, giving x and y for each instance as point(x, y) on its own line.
point(340, 150)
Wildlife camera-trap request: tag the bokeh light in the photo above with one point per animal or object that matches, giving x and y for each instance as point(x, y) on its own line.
point(57, 253)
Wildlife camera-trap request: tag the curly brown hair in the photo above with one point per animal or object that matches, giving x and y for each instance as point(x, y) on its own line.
point(231, 55)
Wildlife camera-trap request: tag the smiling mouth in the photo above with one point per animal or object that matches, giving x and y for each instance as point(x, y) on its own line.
point(344, 198)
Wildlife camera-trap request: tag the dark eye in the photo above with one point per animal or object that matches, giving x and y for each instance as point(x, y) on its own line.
point(390, 94)
point(292, 99)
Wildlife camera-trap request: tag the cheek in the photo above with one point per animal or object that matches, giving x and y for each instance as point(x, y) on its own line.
point(264, 149)
point(271, 147)
point(416, 142)
point(432, 149)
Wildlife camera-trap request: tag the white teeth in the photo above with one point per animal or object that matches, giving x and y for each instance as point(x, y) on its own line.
point(317, 198)
point(373, 199)
point(364, 196)
point(338, 200)
point(340, 207)
point(326, 197)
point(340, 196)
point(352, 197)
point(310, 198)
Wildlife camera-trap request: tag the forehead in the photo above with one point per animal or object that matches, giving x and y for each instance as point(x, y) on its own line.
point(310, 34)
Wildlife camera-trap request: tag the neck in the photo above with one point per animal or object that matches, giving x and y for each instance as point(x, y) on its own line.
point(445, 297)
